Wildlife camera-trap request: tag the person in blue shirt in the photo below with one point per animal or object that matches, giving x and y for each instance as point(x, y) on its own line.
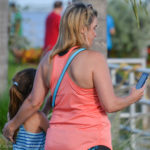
point(110, 31)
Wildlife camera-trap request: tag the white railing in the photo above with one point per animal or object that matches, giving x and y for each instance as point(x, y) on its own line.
point(115, 65)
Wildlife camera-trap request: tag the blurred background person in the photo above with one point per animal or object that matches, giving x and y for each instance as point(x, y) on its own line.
point(15, 20)
point(110, 31)
point(52, 27)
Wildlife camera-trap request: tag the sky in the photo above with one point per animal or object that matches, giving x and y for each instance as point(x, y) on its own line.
point(33, 19)
point(36, 3)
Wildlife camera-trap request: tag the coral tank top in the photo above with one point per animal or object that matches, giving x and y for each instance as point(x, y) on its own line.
point(78, 121)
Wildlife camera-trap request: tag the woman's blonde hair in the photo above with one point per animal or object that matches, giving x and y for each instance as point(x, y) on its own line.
point(76, 17)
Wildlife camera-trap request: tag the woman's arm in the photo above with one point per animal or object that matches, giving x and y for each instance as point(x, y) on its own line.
point(30, 105)
point(104, 88)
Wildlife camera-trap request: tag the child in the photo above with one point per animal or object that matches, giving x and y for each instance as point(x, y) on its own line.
point(31, 134)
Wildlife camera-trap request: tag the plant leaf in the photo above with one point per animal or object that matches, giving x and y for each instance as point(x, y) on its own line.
point(134, 7)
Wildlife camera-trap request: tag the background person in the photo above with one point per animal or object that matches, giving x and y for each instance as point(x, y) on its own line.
point(15, 20)
point(79, 120)
point(110, 31)
point(52, 27)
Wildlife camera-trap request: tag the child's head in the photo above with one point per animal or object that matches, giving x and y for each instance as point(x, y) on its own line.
point(21, 88)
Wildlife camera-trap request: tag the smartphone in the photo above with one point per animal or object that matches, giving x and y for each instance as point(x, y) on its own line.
point(142, 80)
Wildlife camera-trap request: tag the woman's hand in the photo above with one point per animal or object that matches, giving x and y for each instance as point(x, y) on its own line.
point(8, 131)
point(103, 85)
point(136, 94)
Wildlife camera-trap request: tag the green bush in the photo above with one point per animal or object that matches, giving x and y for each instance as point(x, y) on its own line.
point(4, 102)
point(129, 40)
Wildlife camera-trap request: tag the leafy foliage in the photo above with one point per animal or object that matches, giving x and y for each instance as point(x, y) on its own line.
point(18, 42)
point(129, 39)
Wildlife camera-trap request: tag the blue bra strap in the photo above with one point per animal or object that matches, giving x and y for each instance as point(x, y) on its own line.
point(63, 73)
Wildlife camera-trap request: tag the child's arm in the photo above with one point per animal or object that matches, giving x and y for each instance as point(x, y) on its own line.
point(47, 107)
point(43, 122)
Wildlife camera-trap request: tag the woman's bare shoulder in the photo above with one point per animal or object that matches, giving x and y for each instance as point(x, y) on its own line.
point(45, 61)
point(95, 56)
point(46, 66)
point(95, 53)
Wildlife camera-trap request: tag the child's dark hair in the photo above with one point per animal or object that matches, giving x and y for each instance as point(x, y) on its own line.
point(21, 88)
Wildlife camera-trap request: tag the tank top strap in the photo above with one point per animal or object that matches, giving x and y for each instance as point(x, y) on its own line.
point(58, 64)
point(71, 49)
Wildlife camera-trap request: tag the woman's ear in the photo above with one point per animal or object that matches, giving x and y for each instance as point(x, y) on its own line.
point(84, 31)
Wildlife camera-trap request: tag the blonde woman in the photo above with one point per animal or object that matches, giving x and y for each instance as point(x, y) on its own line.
point(79, 120)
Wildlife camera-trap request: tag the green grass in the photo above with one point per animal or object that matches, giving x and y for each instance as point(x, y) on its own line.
point(4, 144)
point(4, 101)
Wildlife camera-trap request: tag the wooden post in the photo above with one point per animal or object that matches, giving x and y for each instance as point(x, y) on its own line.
point(3, 44)
point(145, 108)
point(132, 113)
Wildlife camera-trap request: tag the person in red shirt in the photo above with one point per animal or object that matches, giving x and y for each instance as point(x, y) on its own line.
point(52, 27)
